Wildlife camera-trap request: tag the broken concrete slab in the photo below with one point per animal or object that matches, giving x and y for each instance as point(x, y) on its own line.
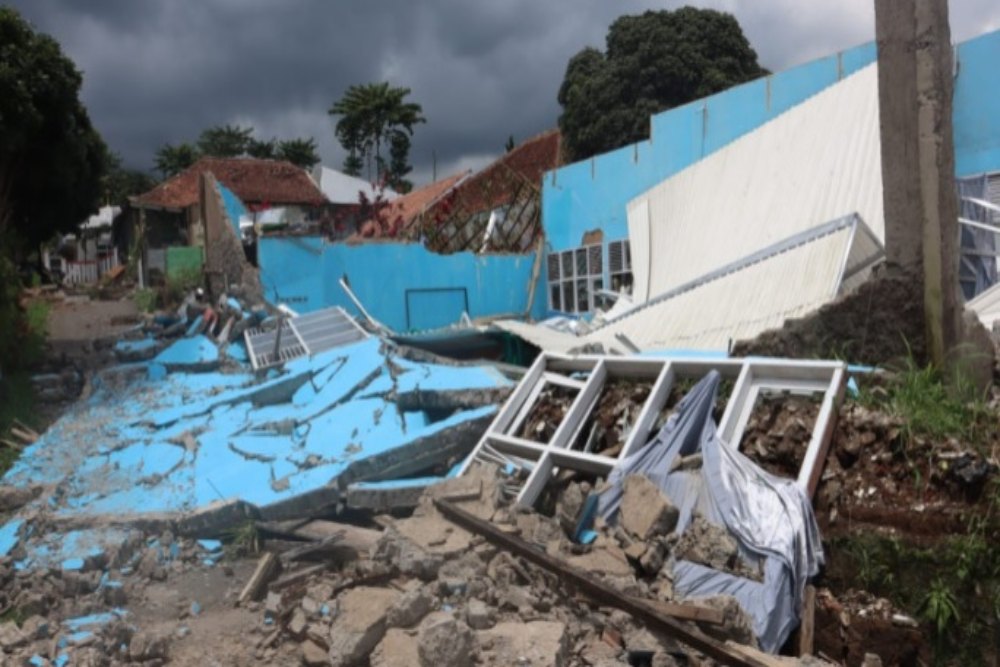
point(398, 648)
point(360, 624)
point(445, 642)
point(539, 644)
point(645, 510)
point(173, 445)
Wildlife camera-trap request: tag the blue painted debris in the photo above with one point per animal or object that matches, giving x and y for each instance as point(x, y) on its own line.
point(186, 440)
point(135, 346)
point(189, 354)
point(9, 536)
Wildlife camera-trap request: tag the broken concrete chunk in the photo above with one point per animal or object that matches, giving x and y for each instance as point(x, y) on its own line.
point(314, 655)
point(11, 636)
point(445, 642)
point(399, 648)
point(297, 624)
point(410, 609)
point(148, 646)
point(539, 644)
point(737, 625)
point(645, 510)
point(478, 615)
point(360, 624)
point(606, 559)
point(16, 497)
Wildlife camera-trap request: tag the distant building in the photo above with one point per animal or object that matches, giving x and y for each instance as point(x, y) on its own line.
point(170, 213)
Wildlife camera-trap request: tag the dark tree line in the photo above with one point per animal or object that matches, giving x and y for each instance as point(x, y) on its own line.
point(234, 141)
point(652, 62)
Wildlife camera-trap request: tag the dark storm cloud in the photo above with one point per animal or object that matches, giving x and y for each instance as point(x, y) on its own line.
point(161, 71)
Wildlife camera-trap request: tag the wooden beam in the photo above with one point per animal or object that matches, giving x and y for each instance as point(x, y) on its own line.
point(806, 628)
point(600, 591)
point(267, 569)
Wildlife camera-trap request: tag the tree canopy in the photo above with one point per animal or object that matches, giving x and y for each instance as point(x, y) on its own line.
point(52, 160)
point(653, 62)
point(375, 116)
point(234, 141)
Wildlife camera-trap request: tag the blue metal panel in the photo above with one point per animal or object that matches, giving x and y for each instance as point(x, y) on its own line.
point(977, 106)
point(593, 194)
point(434, 308)
point(304, 273)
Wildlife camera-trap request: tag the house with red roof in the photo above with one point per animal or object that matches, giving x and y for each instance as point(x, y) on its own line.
point(170, 214)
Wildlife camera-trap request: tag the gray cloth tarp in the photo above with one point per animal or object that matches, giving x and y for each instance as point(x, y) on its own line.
point(771, 518)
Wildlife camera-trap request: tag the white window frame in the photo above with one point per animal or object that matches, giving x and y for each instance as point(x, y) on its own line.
point(578, 275)
point(620, 265)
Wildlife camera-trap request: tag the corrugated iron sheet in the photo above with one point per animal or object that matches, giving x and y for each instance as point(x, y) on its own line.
point(817, 162)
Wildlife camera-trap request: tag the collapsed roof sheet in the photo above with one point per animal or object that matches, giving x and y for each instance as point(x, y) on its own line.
point(153, 444)
point(736, 301)
point(819, 161)
point(302, 335)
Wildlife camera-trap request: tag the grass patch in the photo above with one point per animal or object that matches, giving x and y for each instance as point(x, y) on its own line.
point(17, 401)
point(242, 540)
point(145, 300)
point(931, 407)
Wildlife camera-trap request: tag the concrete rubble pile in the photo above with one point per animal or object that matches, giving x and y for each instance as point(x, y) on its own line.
point(183, 442)
point(431, 593)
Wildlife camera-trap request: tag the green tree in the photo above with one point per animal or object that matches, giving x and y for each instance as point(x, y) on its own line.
point(120, 183)
point(653, 62)
point(171, 159)
point(52, 160)
point(372, 117)
point(225, 140)
point(263, 149)
point(300, 152)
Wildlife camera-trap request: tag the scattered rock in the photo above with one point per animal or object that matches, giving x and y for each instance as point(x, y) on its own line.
point(645, 511)
point(445, 642)
point(313, 655)
point(148, 646)
point(409, 609)
point(398, 648)
point(478, 615)
point(539, 644)
point(360, 624)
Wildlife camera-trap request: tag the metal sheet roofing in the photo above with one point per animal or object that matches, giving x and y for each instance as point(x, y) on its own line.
point(736, 301)
point(341, 188)
point(817, 162)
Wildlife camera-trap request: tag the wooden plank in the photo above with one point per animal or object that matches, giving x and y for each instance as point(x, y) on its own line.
point(690, 612)
point(24, 436)
point(807, 626)
point(600, 591)
point(13, 445)
point(297, 577)
point(267, 569)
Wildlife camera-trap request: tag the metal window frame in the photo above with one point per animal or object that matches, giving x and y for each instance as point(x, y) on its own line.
point(626, 255)
point(751, 376)
point(562, 277)
point(301, 336)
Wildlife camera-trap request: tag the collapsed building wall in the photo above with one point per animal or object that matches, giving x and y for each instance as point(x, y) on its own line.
point(405, 285)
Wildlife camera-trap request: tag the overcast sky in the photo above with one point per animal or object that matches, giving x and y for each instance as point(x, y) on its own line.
point(159, 71)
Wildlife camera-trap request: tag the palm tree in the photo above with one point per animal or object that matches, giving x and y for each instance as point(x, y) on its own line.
point(373, 116)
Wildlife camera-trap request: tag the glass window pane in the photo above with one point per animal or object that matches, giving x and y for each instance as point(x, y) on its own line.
point(567, 290)
point(555, 303)
point(567, 264)
point(582, 297)
point(581, 261)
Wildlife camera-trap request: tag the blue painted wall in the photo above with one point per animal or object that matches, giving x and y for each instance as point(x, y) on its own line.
point(304, 272)
point(977, 106)
point(594, 193)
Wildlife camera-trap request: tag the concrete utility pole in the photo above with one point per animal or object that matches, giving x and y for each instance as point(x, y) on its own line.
point(915, 84)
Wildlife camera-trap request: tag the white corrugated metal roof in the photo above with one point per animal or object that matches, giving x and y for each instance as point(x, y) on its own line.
point(341, 188)
point(986, 306)
point(816, 162)
point(737, 301)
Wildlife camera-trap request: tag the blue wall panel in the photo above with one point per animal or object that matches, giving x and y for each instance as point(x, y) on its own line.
point(593, 194)
point(304, 272)
point(977, 106)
